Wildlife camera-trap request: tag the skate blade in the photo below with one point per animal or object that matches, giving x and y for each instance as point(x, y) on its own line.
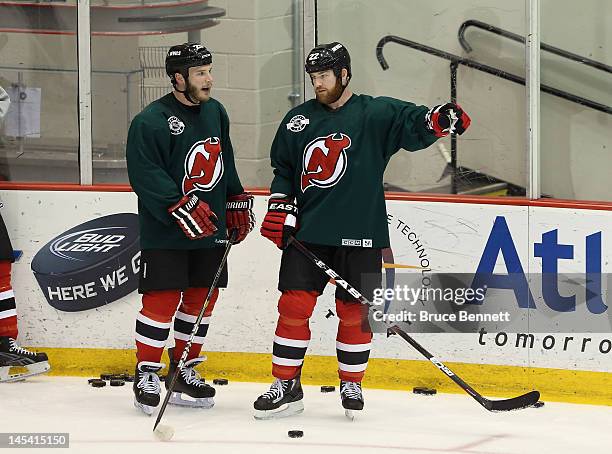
point(188, 401)
point(350, 414)
point(146, 409)
point(20, 373)
point(290, 409)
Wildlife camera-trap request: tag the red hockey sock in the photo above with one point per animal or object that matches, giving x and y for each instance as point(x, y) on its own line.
point(153, 323)
point(353, 340)
point(292, 332)
point(193, 300)
point(8, 310)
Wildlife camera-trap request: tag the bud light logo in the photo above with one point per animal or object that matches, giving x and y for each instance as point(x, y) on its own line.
point(75, 246)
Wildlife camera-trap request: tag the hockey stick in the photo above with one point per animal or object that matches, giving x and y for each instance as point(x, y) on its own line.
point(515, 403)
point(196, 325)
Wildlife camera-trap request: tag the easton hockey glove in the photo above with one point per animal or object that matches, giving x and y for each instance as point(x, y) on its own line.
point(239, 215)
point(280, 221)
point(447, 119)
point(194, 217)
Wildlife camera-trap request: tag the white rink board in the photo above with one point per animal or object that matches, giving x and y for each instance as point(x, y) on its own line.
point(453, 236)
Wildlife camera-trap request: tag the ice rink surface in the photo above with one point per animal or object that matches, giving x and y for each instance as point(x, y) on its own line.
point(104, 420)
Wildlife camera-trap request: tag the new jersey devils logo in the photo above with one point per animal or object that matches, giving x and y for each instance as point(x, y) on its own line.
point(325, 161)
point(203, 166)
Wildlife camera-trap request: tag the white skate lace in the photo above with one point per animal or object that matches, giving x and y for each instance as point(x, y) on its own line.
point(149, 383)
point(17, 349)
point(192, 377)
point(350, 389)
point(276, 391)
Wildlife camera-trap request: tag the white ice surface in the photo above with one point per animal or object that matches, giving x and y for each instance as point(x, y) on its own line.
point(104, 420)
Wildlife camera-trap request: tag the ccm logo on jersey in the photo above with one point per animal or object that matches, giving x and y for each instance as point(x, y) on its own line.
point(325, 161)
point(203, 166)
point(366, 242)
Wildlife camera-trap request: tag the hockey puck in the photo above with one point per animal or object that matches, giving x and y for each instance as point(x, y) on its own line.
point(97, 383)
point(162, 378)
point(106, 377)
point(220, 381)
point(128, 377)
point(295, 433)
point(79, 269)
point(117, 382)
point(538, 404)
point(328, 389)
point(424, 391)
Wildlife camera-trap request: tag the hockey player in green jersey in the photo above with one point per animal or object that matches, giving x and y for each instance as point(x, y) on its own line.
point(329, 156)
point(181, 166)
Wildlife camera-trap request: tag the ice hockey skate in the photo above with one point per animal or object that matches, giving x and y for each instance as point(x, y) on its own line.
point(147, 386)
point(352, 398)
point(17, 363)
point(190, 389)
point(284, 398)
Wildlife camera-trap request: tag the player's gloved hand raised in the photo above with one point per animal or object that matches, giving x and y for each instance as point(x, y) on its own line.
point(280, 221)
point(194, 217)
point(447, 119)
point(239, 215)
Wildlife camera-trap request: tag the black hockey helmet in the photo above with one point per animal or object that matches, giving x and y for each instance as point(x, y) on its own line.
point(184, 56)
point(329, 56)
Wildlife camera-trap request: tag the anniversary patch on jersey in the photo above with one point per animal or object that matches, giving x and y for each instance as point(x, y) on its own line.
point(298, 123)
point(325, 161)
point(203, 166)
point(176, 125)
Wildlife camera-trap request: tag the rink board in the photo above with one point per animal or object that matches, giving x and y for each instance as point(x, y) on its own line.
point(450, 234)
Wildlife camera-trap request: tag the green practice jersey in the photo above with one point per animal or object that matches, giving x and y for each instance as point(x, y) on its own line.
point(175, 150)
point(333, 163)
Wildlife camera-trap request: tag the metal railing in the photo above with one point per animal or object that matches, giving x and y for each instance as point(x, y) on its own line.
point(521, 39)
point(455, 62)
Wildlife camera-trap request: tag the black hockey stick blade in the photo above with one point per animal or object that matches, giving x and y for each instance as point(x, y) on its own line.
point(515, 403)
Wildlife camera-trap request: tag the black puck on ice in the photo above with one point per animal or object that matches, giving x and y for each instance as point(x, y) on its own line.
point(424, 391)
point(162, 378)
point(128, 377)
point(106, 376)
point(295, 433)
point(117, 382)
point(97, 382)
point(220, 381)
point(538, 404)
point(328, 389)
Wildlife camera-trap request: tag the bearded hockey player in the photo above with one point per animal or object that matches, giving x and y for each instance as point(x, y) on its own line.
point(181, 166)
point(329, 156)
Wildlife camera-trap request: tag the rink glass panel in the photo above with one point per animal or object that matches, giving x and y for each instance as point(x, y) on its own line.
point(39, 138)
point(491, 156)
point(253, 46)
point(576, 153)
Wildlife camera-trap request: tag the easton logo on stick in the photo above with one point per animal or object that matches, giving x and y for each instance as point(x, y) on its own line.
point(203, 166)
point(325, 161)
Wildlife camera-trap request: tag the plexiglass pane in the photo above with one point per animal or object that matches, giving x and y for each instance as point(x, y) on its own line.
point(491, 158)
point(576, 133)
point(38, 69)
